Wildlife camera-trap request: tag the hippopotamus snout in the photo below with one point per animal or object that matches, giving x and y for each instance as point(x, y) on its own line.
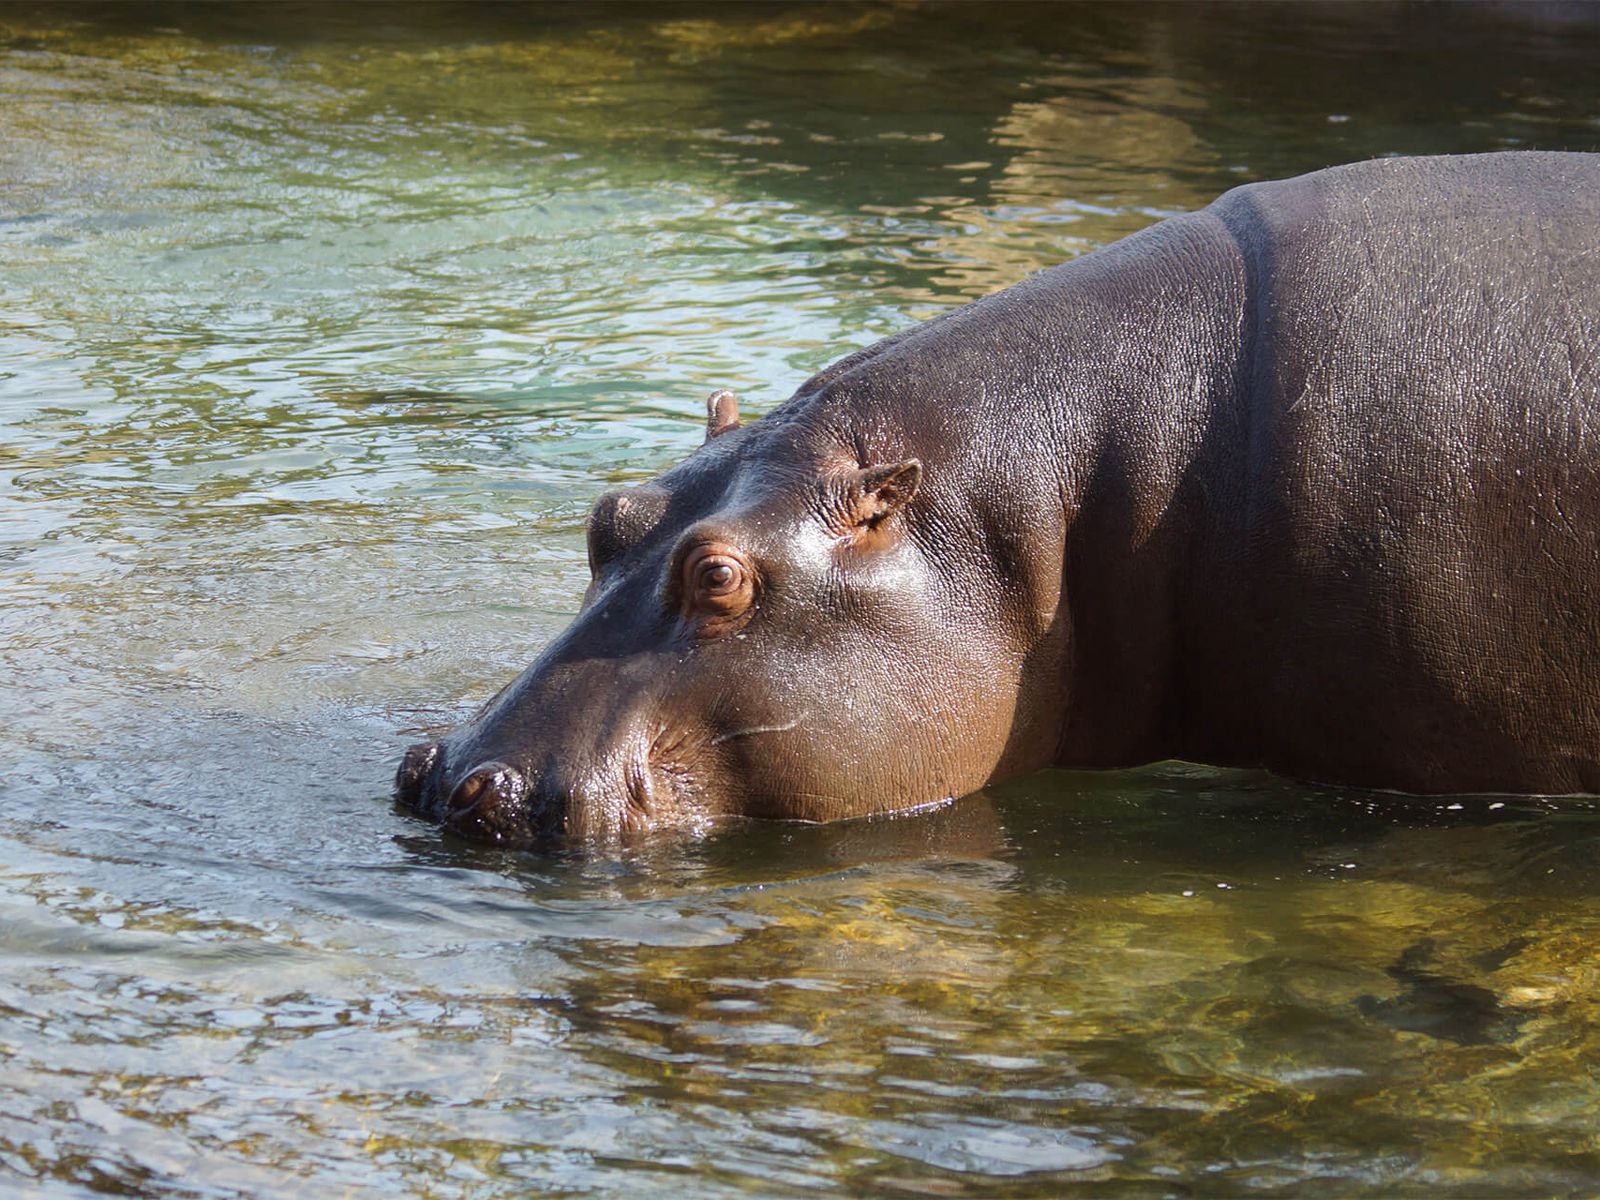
point(415, 774)
point(517, 805)
point(488, 799)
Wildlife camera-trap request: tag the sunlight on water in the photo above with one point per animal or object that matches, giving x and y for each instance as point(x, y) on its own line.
point(320, 331)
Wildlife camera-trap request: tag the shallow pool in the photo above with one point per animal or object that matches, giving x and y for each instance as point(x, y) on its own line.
point(320, 330)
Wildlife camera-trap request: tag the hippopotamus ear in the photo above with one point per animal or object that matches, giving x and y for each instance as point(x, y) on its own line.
point(875, 493)
point(722, 413)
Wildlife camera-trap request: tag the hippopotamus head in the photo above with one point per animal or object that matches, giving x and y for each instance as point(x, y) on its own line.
point(788, 624)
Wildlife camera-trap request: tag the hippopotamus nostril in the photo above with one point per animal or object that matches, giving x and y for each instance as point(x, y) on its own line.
point(493, 789)
point(468, 791)
point(415, 768)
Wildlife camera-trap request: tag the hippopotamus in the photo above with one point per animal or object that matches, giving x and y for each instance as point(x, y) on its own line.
point(1307, 480)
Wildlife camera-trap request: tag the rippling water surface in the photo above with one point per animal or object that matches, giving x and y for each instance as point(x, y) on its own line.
point(320, 329)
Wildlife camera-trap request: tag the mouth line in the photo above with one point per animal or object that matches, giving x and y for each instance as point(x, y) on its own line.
point(755, 729)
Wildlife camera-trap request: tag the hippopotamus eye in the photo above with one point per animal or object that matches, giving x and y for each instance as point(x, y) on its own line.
point(717, 581)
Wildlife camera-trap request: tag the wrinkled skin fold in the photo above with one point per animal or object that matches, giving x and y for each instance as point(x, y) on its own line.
point(1306, 480)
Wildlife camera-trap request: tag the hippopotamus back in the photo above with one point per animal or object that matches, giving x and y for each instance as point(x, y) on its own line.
point(1404, 593)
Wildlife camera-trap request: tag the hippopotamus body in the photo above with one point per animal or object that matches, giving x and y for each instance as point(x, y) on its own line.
point(1307, 480)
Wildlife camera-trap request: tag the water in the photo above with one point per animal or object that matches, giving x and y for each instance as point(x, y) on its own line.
point(320, 330)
